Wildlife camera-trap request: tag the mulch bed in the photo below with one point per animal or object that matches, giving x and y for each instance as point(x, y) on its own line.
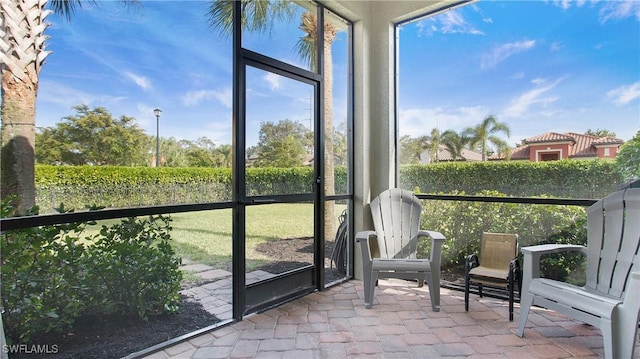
point(118, 336)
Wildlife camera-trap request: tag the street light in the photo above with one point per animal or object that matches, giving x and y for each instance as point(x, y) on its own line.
point(157, 112)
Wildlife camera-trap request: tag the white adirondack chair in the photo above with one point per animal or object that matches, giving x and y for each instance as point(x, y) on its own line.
point(610, 300)
point(392, 253)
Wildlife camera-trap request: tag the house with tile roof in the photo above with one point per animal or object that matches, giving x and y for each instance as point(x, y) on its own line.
point(445, 155)
point(552, 146)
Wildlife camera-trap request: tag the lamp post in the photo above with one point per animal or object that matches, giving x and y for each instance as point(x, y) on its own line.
point(157, 112)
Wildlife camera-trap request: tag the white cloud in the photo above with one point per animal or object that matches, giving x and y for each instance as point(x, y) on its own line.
point(617, 10)
point(518, 75)
point(625, 94)
point(451, 22)
point(141, 81)
point(610, 10)
point(193, 98)
point(566, 4)
point(504, 51)
point(420, 121)
point(556, 46)
point(524, 102)
point(274, 80)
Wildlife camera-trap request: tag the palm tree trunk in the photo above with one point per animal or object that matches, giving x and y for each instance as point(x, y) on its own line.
point(329, 178)
point(18, 141)
point(22, 44)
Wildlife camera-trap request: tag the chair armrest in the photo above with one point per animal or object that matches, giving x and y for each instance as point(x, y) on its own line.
point(532, 254)
point(437, 239)
point(362, 237)
point(471, 261)
point(553, 248)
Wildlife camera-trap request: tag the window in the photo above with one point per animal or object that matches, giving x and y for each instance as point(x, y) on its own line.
point(549, 156)
point(491, 66)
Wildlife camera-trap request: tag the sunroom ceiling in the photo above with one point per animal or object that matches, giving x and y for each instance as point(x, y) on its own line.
point(387, 10)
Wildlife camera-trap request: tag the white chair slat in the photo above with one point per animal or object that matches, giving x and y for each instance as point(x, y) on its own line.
point(595, 240)
point(395, 214)
point(613, 222)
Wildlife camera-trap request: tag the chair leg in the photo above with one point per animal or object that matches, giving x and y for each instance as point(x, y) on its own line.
point(526, 301)
point(434, 292)
point(466, 293)
point(370, 281)
point(510, 286)
point(480, 289)
point(606, 327)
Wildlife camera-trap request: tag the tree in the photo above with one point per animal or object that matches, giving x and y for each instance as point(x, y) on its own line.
point(600, 133)
point(433, 141)
point(223, 155)
point(485, 133)
point(340, 144)
point(22, 24)
point(411, 148)
point(628, 159)
point(93, 137)
point(454, 142)
point(281, 144)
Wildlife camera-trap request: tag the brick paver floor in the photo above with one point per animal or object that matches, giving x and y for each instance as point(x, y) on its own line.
point(335, 324)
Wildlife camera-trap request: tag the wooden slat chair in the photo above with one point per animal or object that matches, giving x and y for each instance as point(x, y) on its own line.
point(396, 218)
point(610, 299)
point(496, 266)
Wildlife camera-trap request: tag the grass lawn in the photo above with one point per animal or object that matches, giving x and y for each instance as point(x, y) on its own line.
point(206, 237)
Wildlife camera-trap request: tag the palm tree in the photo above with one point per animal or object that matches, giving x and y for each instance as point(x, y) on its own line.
point(485, 133)
point(22, 45)
point(258, 15)
point(433, 141)
point(454, 143)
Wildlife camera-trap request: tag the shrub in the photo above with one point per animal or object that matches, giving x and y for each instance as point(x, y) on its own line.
point(51, 275)
point(132, 269)
point(41, 286)
point(462, 223)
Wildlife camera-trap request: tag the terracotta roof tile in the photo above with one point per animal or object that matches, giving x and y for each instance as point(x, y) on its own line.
point(581, 145)
point(549, 137)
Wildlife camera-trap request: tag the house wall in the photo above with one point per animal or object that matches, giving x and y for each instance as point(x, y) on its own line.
point(536, 151)
point(602, 151)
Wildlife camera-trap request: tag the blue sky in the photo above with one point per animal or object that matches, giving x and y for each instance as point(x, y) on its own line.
point(538, 65)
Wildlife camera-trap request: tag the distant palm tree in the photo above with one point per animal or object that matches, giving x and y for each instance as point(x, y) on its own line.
point(454, 143)
point(258, 15)
point(485, 133)
point(433, 141)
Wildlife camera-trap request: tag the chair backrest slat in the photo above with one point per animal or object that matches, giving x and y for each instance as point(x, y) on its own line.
point(396, 219)
point(613, 239)
point(629, 258)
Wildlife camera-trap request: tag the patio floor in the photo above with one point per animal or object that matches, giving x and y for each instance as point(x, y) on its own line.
point(335, 324)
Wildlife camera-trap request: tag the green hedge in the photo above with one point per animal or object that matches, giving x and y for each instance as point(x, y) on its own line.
point(462, 223)
point(81, 186)
point(108, 186)
point(567, 179)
